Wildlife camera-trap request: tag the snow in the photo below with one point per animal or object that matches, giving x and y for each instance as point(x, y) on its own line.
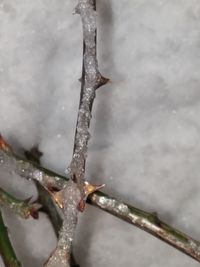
point(145, 123)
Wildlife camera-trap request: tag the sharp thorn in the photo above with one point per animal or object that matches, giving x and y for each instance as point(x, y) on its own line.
point(90, 188)
point(28, 200)
point(3, 145)
point(102, 81)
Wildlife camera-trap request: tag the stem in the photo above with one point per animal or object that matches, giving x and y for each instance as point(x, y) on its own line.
point(148, 222)
point(91, 80)
point(20, 207)
point(6, 250)
point(30, 170)
point(73, 194)
point(145, 221)
point(48, 205)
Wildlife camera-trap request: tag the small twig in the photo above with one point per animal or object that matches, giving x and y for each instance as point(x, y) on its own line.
point(6, 250)
point(23, 208)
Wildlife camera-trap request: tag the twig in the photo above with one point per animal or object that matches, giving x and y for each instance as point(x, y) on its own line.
point(44, 198)
point(148, 222)
point(143, 220)
point(90, 81)
point(6, 250)
point(74, 193)
point(30, 170)
point(48, 204)
point(23, 208)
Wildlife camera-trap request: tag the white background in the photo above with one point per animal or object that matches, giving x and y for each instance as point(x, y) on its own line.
point(145, 128)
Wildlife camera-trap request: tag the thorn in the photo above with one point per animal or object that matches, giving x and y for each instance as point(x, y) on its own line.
point(34, 213)
point(28, 200)
point(81, 205)
point(56, 195)
point(52, 188)
point(58, 198)
point(3, 145)
point(90, 188)
point(102, 81)
point(34, 154)
point(77, 10)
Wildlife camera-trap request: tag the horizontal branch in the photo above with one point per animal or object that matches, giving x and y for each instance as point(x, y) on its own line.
point(146, 221)
point(6, 250)
point(30, 170)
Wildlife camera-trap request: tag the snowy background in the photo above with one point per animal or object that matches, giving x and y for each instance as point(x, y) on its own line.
point(145, 128)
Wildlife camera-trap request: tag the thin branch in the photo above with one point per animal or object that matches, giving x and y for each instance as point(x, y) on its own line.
point(73, 195)
point(144, 220)
point(148, 222)
point(23, 208)
point(6, 250)
point(90, 81)
point(44, 198)
point(30, 170)
point(48, 204)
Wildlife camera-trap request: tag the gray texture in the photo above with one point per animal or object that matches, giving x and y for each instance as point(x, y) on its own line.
point(145, 127)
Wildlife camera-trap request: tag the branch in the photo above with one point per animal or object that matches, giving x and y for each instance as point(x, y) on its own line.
point(44, 198)
point(23, 208)
point(148, 222)
point(29, 170)
point(73, 195)
point(90, 81)
point(6, 249)
point(145, 221)
point(48, 204)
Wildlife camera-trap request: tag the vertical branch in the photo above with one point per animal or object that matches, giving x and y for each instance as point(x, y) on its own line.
point(6, 250)
point(91, 80)
point(74, 193)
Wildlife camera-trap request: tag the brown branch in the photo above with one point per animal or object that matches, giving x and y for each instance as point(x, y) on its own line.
point(144, 220)
point(74, 193)
point(148, 222)
point(6, 250)
point(90, 81)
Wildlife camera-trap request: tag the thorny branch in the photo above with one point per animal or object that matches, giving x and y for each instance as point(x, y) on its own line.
point(90, 81)
point(71, 193)
point(44, 198)
point(146, 221)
